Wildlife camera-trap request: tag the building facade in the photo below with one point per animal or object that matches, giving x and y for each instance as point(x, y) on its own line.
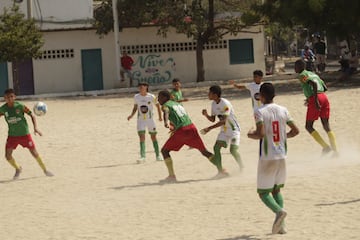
point(76, 59)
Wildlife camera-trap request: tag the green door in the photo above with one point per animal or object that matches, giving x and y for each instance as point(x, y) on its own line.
point(92, 69)
point(4, 80)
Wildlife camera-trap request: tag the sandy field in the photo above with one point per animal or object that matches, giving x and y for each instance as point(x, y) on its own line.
point(99, 192)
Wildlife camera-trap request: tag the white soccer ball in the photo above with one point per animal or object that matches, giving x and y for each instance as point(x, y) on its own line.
point(40, 108)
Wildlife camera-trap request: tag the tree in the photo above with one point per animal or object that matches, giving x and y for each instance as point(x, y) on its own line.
point(195, 18)
point(337, 18)
point(19, 39)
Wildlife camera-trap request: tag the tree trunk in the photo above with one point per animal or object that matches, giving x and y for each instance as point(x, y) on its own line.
point(200, 61)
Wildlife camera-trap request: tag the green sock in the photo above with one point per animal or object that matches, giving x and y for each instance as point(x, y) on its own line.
point(279, 199)
point(156, 147)
point(217, 157)
point(270, 202)
point(142, 149)
point(235, 153)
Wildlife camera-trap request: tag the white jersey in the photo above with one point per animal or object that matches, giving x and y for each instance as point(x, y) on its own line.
point(145, 105)
point(255, 94)
point(224, 108)
point(275, 118)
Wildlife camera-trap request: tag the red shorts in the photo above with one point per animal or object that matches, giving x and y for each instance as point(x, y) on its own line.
point(313, 113)
point(187, 135)
point(25, 141)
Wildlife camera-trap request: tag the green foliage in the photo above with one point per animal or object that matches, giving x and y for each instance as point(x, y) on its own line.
point(19, 37)
point(337, 18)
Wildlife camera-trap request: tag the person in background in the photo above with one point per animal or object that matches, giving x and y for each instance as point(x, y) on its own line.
point(126, 66)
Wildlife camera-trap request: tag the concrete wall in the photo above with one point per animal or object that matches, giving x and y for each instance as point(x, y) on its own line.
point(65, 74)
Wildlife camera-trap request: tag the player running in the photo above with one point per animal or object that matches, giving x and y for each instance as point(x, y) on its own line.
point(183, 132)
point(317, 104)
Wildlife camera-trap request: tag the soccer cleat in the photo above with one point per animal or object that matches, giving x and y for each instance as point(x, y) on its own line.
point(159, 158)
point(140, 160)
point(169, 179)
point(17, 173)
point(48, 173)
point(221, 174)
point(280, 216)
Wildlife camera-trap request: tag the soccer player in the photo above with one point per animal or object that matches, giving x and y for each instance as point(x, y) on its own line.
point(183, 132)
point(271, 121)
point(14, 113)
point(317, 106)
point(229, 127)
point(176, 93)
point(253, 87)
point(144, 104)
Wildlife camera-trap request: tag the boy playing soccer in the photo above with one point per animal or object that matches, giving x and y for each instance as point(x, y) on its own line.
point(143, 104)
point(176, 93)
point(318, 105)
point(271, 121)
point(183, 133)
point(19, 133)
point(253, 87)
point(230, 128)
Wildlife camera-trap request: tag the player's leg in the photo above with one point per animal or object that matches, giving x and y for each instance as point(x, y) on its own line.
point(11, 144)
point(312, 114)
point(152, 131)
point(266, 181)
point(331, 135)
point(36, 155)
point(142, 146)
point(234, 149)
point(12, 162)
point(325, 115)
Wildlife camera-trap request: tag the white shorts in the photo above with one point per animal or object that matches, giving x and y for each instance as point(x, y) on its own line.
point(147, 123)
point(232, 137)
point(271, 173)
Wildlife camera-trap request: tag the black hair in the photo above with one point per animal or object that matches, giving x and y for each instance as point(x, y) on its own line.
point(267, 90)
point(175, 80)
point(165, 93)
point(300, 64)
point(9, 91)
point(215, 89)
point(258, 73)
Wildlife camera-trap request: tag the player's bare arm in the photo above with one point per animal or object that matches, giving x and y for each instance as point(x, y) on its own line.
point(232, 82)
point(210, 118)
point(257, 133)
point(132, 112)
point(294, 130)
point(36, 130)
point(159, 111)
point(216, 125)
point(315, 89)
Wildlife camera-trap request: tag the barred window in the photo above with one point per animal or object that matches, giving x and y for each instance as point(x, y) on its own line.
point(56, 54)
point(171, 47)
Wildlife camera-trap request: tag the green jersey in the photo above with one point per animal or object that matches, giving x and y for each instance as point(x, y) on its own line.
point(306, 76)
point(15, 119)
point(177, 114)
point(176, 95)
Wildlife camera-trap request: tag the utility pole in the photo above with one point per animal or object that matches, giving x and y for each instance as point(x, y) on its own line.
point(116, 39)
point(29, 9)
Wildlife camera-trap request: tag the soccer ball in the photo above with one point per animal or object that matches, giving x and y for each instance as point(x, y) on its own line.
point(40, 109)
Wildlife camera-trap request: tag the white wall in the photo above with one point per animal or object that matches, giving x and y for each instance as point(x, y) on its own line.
point(65, 75)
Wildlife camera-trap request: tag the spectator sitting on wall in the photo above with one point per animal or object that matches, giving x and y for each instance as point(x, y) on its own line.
point(352, 66)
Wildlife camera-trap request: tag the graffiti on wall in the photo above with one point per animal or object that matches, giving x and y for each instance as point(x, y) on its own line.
point(153, 69)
